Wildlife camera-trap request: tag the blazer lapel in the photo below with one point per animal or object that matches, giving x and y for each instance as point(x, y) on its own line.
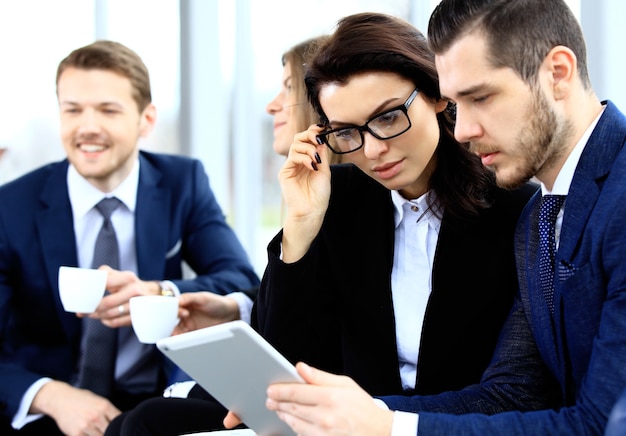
point(595, 164)
point(152, 221)
point(593, 168)
point(56, 234)
point(531, 294)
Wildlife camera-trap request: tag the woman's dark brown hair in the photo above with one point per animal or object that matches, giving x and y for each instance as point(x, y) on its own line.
point(372, 42)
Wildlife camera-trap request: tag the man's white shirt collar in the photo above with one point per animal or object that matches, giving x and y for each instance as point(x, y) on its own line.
point(566, 175)
point(84, 196)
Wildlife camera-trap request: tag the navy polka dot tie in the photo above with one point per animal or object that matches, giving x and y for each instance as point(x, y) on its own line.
point(550, 206)
point(99, 342)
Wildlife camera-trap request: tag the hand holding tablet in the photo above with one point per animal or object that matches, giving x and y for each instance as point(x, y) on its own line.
point(235, 365)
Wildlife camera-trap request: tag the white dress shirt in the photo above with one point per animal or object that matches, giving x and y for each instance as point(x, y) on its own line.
point(417, 230)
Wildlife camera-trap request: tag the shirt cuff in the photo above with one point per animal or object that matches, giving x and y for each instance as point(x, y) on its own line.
point(403, 422)
point(179, 389)
point(245, 305)
point(380, 403)
point(21, 417)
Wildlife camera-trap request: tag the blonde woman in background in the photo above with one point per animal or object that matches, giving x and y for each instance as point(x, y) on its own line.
point(290, 108)
point(197, 410)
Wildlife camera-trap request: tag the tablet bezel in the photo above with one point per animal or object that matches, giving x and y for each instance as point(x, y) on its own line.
point(246, 365)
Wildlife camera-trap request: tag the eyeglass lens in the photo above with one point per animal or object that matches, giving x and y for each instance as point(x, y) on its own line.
point(387, 125)
point(384, 126)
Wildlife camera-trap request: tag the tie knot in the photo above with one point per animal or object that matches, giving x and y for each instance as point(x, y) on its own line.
point(550, 206)
point(107, 206)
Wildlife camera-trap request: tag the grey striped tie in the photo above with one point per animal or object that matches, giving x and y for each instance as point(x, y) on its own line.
point(99, 343)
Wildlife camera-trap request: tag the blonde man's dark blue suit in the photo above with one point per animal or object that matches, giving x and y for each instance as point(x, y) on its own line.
point(569, 369)
point(177, 218)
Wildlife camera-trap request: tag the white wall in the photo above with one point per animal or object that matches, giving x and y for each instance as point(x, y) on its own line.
point(603, 25)
point(214, 65)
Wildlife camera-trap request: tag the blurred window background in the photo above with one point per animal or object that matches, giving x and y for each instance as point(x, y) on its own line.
point(214, 66)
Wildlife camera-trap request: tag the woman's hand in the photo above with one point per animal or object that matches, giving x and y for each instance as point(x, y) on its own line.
point(305, 184)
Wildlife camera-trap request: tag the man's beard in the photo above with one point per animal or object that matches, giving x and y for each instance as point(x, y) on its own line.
point(539, 143)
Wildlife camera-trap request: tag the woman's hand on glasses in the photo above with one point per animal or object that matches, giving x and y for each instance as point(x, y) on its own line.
point(305, 183)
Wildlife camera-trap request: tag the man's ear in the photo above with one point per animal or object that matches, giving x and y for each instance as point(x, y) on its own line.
point(562, 67)
point(440, 105)
point(147, 120)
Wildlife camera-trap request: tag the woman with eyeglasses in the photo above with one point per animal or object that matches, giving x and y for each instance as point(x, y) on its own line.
point(396, 268)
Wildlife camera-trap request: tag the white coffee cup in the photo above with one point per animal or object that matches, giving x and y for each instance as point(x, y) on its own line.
point(81, 289)
point(153, 317)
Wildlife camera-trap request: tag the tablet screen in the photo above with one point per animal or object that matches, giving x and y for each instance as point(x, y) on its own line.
point(235, 365)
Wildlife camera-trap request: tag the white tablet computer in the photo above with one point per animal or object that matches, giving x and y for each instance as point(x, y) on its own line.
point(235, 365)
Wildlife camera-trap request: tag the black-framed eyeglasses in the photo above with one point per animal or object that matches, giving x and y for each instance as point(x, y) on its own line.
point(389, 124)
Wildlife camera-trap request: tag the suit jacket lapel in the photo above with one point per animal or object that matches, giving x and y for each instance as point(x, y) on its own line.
point(531, 294)
point(56, 234)
point(594, 165)
point(152, 221)
point(592, 170)
point(545, 332)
